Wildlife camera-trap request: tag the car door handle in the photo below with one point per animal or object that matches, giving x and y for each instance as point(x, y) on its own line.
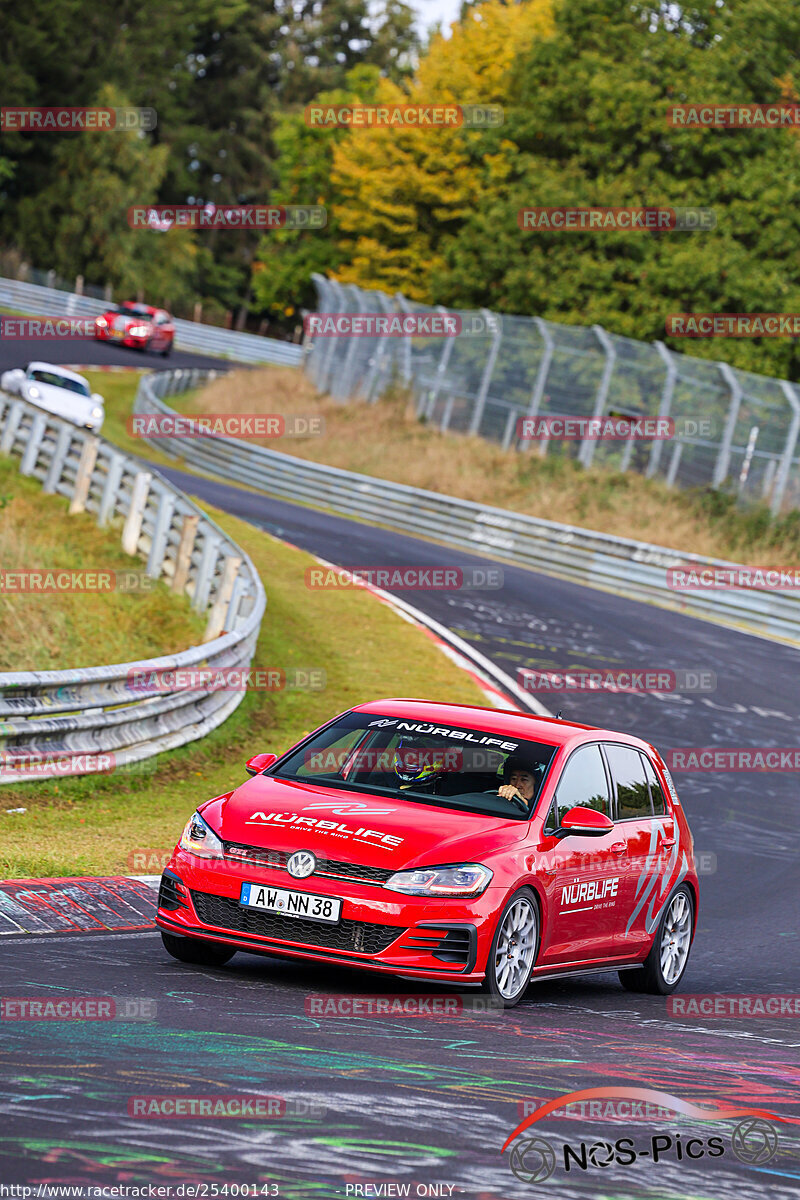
point(619, 847)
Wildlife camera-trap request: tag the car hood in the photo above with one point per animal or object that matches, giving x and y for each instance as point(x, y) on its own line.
point(62, 397)
point(352, 826)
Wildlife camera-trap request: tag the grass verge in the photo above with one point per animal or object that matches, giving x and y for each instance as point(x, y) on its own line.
point(99, 824)
point(55, 630)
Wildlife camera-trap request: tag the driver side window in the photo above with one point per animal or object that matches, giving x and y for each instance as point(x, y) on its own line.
point(583, 784)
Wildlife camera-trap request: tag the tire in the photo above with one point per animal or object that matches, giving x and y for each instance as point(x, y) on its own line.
point(192, 950)
point(165, 353)
point(675, 928)
point(521, 913)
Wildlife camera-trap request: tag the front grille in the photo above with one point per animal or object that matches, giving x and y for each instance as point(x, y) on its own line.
point(330, 867)
point(358, 936)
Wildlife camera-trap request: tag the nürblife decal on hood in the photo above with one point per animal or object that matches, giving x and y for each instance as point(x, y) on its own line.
point(335, 829)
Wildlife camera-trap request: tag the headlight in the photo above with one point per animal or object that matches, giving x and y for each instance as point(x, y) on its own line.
point(139, 330)
point(199, 838)
point(467, 880)
point(34, 392)
point(97, 413)
point(101, 322)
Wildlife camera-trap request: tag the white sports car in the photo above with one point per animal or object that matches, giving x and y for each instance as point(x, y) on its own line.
point(59, 391)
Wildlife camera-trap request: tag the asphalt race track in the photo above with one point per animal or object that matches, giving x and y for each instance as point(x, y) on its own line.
point(430, 1100)
point(18, 352)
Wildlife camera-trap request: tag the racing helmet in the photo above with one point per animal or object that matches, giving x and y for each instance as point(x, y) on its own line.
point(418, 760)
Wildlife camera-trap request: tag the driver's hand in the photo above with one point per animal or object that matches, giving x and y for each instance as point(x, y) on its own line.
point(509, 792)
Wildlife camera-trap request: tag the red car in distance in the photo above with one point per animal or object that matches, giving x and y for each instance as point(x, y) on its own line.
point(137, 325)
point(444, 842)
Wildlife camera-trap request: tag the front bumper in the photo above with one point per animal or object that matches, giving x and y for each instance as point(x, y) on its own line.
point(377, 930)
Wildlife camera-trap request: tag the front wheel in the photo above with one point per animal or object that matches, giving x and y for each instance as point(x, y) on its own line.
point(193, 950)
point(664, 966)
point(513, 950)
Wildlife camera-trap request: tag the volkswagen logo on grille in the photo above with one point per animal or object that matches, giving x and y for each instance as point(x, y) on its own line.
point(301, 864)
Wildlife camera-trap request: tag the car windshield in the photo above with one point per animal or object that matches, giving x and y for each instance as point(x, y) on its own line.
point(445, 766)
point(60, 381)
point(135, 310)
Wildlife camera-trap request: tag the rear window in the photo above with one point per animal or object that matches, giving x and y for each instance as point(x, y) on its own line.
point(630, 781)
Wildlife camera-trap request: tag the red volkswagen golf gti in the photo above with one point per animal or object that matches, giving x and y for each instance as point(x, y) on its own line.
point(438, 841)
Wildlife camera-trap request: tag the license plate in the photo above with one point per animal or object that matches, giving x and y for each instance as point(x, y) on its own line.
point(117, 333)
point(291, 904)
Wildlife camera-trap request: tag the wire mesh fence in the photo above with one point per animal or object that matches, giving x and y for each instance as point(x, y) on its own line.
point(719, 426)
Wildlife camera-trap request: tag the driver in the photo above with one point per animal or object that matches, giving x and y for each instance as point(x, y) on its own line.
point(519, 784)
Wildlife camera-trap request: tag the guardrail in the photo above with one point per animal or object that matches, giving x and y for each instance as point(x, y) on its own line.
point(51, 720)
point(206, 339)
point(621, 565)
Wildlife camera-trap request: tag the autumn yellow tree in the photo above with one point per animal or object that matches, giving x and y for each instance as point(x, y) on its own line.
point(404, 192)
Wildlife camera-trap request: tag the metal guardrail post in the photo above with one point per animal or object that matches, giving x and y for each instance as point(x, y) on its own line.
point(155, 559)
point(205, 571)
point(344, 384)
point(722, 464)
point(483, 390)
point(664, 407)
point(586, 452)
point(133, 521)
point(371, 388)
point(183, 560)
point(56, 467)
point(12, 425)
point(83, 479)
point(116, 464)
point(35, 436)
point(537, 395)
point(326, 369)
point(784, 470)
point(441, 371)
point(405, 357)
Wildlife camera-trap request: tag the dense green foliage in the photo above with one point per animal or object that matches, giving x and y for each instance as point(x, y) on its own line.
point(585, 85)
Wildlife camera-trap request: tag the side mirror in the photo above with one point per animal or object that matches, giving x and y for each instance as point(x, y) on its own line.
point(97, 398)
point(584, 822)
point(259, 763)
